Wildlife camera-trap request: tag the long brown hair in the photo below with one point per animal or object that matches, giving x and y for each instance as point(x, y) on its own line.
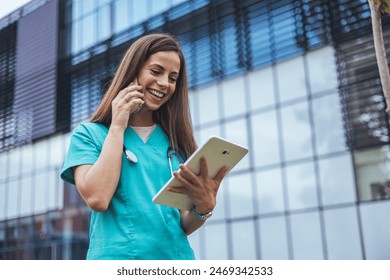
point(174, 116)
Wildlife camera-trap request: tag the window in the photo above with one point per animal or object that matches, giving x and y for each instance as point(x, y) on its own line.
point(261, 88)
point(306, 236)
point(104, 23)
point(265, 139)
point(297, 137)
point(209, 102)
point(322, 70)
point(27, 196)
point(3, 201)
point(243, 241)
point(342, 234)
point(216, 242)
point(302, 187)
point(140, 11)
point(241, 196)
point(270, 194)
point(234, 97)
point(372, 173)
point(376, 230)
point(4, 166)
point(273, 239)
point(328, 125)
point(122, 18)
point(260, 34)
point(336, 189)
point(88, 37)
point(291, 79)
point(284, 28)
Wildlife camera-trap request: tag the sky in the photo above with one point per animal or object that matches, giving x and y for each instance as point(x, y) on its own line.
point(8, 6)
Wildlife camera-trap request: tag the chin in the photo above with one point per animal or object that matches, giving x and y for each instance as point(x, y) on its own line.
point(152, 107)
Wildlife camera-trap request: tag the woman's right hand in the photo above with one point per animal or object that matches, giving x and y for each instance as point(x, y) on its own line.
point(128, 101)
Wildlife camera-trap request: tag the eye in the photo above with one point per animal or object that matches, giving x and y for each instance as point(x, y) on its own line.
point(155, 72)
point(172, 79)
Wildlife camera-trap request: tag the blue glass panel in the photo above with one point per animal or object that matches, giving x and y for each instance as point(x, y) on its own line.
point(273, 239)
point(89, 6)
point(13, 199)
point(187, 52)
point(121, 15)
point(240, 195)
point(243, 239)
point(156, 22)
point(140, 11)
point(329, 124)
point(77, 8)
point(103, 2)
point(264, 95)
point(265, 139)
point(159, 6)
point(285, 32)
point(342, 234)
point(216, 242)
point(4, 166)
point(88, 31)
point(292, 84)
point(177, 2)
point(76, 37)
point(297, 132)
point(302, 187)
point(376, 230)
point(104, 23)
point(3, 201)
point(270, 191)
point(179, 11)
point(229, 47)
point(306, 236)
point(337, 189)
point(202, 47)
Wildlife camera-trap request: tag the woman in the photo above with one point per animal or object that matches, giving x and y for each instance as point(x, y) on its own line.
point(118, 161)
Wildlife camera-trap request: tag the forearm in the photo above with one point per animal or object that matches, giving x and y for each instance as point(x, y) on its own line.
point(101, 180)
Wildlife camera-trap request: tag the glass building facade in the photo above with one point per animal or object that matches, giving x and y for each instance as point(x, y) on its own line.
point(295, 81)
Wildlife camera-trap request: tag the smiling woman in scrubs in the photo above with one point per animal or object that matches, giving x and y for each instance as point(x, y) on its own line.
point(145, 111)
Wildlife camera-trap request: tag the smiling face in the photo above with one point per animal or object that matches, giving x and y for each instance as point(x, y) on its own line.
point(158, 76)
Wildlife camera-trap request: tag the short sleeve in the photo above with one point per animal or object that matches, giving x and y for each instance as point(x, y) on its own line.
point(83, 149)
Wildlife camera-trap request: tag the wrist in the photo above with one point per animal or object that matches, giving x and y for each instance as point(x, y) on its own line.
point(200, 214)
point(116, 128)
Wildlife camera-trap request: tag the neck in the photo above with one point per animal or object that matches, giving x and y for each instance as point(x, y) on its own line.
point(143, 118)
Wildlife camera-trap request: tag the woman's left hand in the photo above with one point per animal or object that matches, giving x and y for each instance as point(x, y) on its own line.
point(202, 189)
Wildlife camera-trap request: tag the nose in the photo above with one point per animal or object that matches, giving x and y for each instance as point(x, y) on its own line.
point(163, 82)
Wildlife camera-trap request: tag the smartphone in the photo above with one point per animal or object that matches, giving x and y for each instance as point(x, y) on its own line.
point(135, 82)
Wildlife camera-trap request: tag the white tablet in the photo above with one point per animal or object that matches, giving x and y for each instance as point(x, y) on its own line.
point(218, 152)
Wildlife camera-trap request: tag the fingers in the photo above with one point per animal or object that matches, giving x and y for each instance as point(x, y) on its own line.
point(130, 98)
point(189, 175)
point(204, 170)
point(185, 180)
point(129, 89)
point(181, 190)
point(221, 174)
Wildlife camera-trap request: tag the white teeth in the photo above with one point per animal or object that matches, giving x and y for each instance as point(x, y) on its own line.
point(156, 93)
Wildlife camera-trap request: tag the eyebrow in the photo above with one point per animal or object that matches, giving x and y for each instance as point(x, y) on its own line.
point(162, 68)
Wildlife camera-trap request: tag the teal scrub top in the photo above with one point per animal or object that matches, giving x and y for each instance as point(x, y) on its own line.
point(132, 227)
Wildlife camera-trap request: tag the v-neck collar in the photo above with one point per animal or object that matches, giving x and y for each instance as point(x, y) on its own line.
point(133, 136)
